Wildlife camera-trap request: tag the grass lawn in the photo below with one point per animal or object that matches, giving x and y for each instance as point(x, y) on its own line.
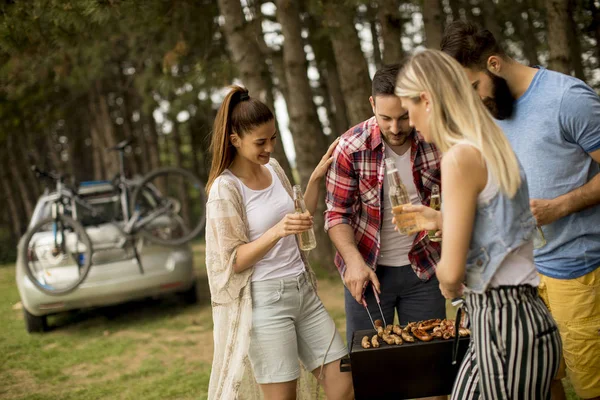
point(153, 349)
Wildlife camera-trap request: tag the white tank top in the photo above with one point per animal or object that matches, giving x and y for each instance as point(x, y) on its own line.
point(264, 209)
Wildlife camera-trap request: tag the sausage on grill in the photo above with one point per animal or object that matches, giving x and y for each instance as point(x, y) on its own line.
point(366, 344)
point(375, 341)
point(397, 339)
point(421, 334)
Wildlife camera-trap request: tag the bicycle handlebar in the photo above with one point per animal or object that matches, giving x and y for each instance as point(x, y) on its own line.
point(47, 175)
point(54, 178)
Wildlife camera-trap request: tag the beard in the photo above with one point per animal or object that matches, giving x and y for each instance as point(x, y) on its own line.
point(399, 139)
point(502, 104)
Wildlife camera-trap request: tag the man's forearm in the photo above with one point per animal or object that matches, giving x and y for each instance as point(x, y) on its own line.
point(579, 199)
point(342, 236)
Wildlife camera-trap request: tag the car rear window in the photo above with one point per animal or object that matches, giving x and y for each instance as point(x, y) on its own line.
point(107, 208)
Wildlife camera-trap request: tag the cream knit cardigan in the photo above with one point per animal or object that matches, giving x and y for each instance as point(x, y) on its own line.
point(231, 376)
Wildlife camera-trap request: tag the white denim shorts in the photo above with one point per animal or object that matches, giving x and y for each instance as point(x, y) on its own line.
point(289, 323)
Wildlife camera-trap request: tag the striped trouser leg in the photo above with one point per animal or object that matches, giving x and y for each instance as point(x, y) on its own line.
point(516, 342)
point(466, 385)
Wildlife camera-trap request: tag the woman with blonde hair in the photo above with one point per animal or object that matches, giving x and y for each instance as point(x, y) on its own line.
point(487, 226)
point(267, 315)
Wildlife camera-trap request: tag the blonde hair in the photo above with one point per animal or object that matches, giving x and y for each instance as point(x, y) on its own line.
point(457, 114)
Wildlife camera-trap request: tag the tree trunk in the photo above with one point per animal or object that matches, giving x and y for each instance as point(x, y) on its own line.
point(104, 131)
point(28, 157)
point(247, 56)
point(351, 63)
point(327, 103)
point(52, 152)
point(325, 58)
point(9, 195)
point(432, 19)
point(183, 195)
point(107, 129)
point(132, 159)
point(324, 92)
point(200, 129)
point(19, 171)
point(17, 177)
point(455, 7)
point(279, 71)
point(176, 141)
point(558, 37)
point(164, 147)
point(255, 27)
point(470, 6)
point(372, 16)
point(97, 150)
point(595, 28)
point(342, 121)
point(80, 143)
point(575, 44)
point(391, 31)
point(489, 12)
point(320, 45)
point(526, 30)
point(310, 142)
point(152, 140)
point(143, 142)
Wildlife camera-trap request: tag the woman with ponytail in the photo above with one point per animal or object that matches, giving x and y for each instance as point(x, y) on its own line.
point(487, 251)
point(269, 325)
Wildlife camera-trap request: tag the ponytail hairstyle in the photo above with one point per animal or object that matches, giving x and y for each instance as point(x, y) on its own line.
point(239, 113)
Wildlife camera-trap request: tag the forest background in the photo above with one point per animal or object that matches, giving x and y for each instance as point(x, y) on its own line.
point(78, 76)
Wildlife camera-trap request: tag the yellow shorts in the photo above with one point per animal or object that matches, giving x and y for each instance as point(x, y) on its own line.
point(575, 305)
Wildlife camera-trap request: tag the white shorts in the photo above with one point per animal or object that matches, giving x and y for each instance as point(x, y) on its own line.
point(289, 323)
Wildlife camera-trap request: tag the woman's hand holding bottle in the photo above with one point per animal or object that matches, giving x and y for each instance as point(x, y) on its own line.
point(428, 218)
point(293, 224)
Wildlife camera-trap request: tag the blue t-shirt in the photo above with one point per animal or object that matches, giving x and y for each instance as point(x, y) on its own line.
point(555, 125)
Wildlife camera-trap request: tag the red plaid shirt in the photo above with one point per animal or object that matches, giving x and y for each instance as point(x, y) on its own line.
point(355, 188)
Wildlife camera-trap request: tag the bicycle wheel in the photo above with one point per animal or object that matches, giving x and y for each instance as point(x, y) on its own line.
point(57, 254)
point(170, 205)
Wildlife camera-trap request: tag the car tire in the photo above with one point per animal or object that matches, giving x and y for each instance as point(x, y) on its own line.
point(190, 296)
point(33, 323)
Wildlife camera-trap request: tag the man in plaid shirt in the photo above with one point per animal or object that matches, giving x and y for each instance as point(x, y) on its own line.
point(359, 218)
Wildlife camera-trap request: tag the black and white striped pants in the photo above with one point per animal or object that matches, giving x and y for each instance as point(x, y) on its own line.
point(515, 347)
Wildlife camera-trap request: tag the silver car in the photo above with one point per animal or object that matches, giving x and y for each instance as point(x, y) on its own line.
point(115, 276)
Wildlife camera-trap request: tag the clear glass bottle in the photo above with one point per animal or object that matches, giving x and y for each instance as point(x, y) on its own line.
point(307, 238)
point(539, 240)
point(435, 203)
point(398, 195)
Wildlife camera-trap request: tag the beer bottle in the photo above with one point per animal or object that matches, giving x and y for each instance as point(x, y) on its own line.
point(398, 195)
point(435, 202)
point(307, 238)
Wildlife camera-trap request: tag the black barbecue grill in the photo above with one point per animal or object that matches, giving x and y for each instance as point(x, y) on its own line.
point(407, 371)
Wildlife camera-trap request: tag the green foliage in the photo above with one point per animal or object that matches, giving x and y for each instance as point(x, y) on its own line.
point(62, 59)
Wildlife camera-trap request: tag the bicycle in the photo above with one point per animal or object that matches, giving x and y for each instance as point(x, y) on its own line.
point(149, 209)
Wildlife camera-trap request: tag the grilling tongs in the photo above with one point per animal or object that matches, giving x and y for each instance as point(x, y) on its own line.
point(364, 303)
point(457, 302)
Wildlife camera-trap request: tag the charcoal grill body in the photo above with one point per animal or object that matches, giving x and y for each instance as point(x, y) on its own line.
point(408, 371)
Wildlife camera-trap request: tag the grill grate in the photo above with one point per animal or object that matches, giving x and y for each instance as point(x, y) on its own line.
point(407, 371)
